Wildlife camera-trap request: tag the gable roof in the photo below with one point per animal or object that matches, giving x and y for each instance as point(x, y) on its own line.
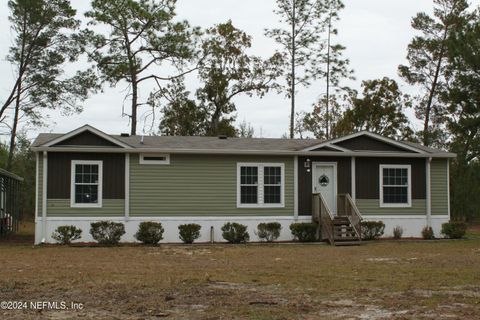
point(215, 145)
point(411, 147)
point(59, 138)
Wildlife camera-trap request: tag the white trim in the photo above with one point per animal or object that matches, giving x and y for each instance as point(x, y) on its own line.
point(448, 187)
point(402, 216)
point(37, 187)
point(73, 204)
point(295, 187)
point(127, 186)
point(260, 185)
point(353, 181)
point(182, 218)
point(44, 196)
point(369, 134)
point(83, 129)
point(155, 162)
point(409, 192)
point(428, 205)
point(371, 154)
point(335, 183)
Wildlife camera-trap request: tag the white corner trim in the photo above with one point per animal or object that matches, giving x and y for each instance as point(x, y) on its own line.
point(448, 188)
point(295, 187)
point(37, 187)
point(260, 185)
point(83, 129)
point(44, 196)
point(99, 203)
point(354, 179)
point(142, 159)
point(409, 192)
point(127, 186)
point(428, 205)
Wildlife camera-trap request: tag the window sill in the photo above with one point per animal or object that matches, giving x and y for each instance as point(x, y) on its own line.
point(260, 206)
point(85, 206)
point(386, 205)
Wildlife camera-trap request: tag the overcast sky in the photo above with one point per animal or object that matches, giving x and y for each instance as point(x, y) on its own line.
point(375, 32)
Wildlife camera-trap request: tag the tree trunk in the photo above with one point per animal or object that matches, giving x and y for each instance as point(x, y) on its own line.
point(133, 117)
point(327, 115)
point(292, 111)
point(13, 135)
point(433, 89)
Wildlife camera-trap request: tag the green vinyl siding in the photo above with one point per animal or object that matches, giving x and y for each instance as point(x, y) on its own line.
point(40, 183)
point(61, 208)
point(439, 186)
point(372, 207)
point(198, 185)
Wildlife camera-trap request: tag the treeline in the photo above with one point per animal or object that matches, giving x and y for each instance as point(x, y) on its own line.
point(142, 45)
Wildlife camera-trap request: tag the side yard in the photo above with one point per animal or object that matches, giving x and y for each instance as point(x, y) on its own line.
point(384, 280)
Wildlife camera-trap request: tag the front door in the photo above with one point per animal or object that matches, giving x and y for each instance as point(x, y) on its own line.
point(324, 182)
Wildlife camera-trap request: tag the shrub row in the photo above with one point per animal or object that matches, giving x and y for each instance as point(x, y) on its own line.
point(110, 233)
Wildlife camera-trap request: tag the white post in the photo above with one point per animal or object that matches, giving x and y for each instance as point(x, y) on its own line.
point(429, 197)
point(127, 186)
point(44, 197)
point(295, 188)
point(354, 176)
point(37, 158)
point(448, 188)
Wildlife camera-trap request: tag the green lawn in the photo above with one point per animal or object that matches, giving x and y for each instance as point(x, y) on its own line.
point(383, 280)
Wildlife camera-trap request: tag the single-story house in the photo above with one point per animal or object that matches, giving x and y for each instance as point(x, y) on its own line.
point(87, 175)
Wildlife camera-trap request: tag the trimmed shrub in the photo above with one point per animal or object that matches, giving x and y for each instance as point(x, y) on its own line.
point(269, 231)
point(304, 232)
point(397, 232)
point(427, 233)
point(454, 229)
point(67, 234)
point(107, 232)
point(235, 232)
point(149, 232)
point(372, 230)
point(189, 232)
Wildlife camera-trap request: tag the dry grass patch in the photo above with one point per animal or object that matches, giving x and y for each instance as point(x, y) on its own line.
point(392, 280)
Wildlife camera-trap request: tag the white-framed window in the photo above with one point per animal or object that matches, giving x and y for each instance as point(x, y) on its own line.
point(154, 158)
point(86, 184)
point(260, 185)
point(395, 185)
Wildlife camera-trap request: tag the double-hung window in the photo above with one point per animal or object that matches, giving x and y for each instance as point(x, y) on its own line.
point(395, 186)
point(260, 185)
point(86, 184)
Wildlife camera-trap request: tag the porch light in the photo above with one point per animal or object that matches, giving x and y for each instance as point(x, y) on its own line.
point(306, 164)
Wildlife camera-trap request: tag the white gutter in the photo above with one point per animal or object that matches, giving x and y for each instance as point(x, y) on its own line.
point(371, 154)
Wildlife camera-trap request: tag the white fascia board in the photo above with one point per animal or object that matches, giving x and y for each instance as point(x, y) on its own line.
point(82, 129)
point(251, 152)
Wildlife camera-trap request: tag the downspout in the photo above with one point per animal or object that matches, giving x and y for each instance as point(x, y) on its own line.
point(44, 197)
point(295, 188)
point(429, 195)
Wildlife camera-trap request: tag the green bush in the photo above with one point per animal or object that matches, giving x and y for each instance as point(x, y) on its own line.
point(372, 230)
point(397, 232)
point(304, 232)
point(235, 232)
point(67, 234)
point(107, 232)
point(149, 232)
point(269, 231)
point(427, 233)
point(189, 232)
point(454, 229)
